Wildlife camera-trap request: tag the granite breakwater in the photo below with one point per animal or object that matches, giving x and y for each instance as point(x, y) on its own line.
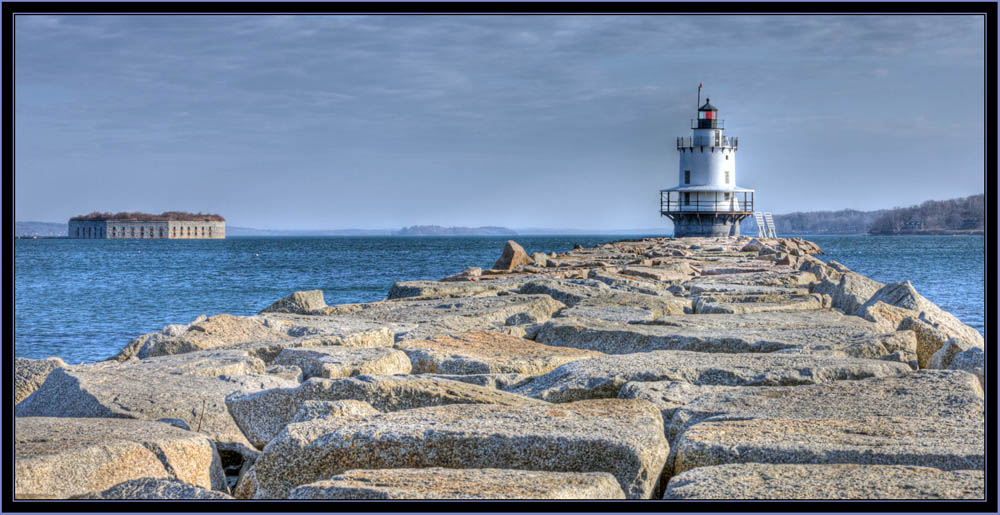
point(695, 368)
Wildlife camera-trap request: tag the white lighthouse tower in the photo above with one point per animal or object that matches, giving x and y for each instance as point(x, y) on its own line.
point(707, 201)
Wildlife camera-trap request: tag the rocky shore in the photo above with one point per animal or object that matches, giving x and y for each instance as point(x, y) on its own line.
point(695, 368)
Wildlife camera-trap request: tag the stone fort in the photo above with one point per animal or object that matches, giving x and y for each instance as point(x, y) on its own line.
point(168, 225)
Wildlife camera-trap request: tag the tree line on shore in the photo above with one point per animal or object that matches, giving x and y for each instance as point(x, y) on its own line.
point(959, 214)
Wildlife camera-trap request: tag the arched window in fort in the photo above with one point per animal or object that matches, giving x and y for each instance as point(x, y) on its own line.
point(173, 232)
point(189, 232)
point(202, 231)
point(209, 232)
point(142, 232)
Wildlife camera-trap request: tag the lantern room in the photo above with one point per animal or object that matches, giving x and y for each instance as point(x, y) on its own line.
point(708, 116)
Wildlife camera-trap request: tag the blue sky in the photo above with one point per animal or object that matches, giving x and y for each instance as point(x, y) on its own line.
point(327, 122)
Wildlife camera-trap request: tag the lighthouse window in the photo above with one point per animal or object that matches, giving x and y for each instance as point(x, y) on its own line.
point(727, 176)
point(687, 176)
point(727, 196)
point(687, 199)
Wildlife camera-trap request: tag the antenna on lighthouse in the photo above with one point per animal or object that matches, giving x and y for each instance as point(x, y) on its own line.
point(699, 96)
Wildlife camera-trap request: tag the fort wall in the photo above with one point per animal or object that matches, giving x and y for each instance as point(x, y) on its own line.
point(128, 229)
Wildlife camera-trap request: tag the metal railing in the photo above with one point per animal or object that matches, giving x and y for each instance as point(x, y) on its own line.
point(675, 202)
point(719, 124)
point(706, 141)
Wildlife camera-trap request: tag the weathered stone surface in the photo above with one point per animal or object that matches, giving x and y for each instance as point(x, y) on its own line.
point(669, 396)
point(973, 361)
point(285, 372)
point(943, 443)
point(263, 415)
point(262, 335)
point(779, 276)
point(844, 481)
point(620, 314)
point(333, 362)
point(745, 289)
point(58, 457)
point(924, 393)
point(628, 283)
point(29, 374)
point(705, 305)
point(443, 290)
point(512, 256)
point(850, 293)
point(425, 318)
point(347, 408)
point(487, 352)
point(246, 485)
point(471, 273)
point(301, 302)
point(131, 392)
point(149, 488)
point(590, 292)
point(603, 377)
point(668, 273)
point(932, 325)
point(445, 483)
point(210, 363)
point(805, 332)
point(505, 382)
point(621, 437)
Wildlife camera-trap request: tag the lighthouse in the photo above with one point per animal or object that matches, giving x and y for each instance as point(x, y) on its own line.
point(706, 201)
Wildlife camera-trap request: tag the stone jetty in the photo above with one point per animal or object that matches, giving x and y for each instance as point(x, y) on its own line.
point(660, 369)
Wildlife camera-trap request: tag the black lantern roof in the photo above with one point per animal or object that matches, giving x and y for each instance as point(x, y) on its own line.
point(707, 106)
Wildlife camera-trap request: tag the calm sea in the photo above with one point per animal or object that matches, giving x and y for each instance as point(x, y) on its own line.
point(83, 300)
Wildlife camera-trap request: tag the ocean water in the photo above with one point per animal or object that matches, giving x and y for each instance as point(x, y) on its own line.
point(83, 300)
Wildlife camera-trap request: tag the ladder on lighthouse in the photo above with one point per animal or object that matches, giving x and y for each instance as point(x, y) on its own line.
point(765, 225)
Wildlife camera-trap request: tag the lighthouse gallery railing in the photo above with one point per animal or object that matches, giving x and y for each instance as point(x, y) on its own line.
point(674, 202)
point(706, 141)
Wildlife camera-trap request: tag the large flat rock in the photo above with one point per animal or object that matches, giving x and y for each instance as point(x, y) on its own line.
point(59, 457)
point(443, 290)
point(336, 361)
point(263, 415)
point(446, 483)
point(801, 331)
point(591, 292)
point(487, 352)
point(131, 392)
point(844, 481)
point(942, 443)
point(264, 335)
point(425, 318)
point(783, 277)
point(604, 377)
point(738, 304)
point(923, 393)
point(151, 489)
point(505, 382)
point(210, 363)
point(621, 437)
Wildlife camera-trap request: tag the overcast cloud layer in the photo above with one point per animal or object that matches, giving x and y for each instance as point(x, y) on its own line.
point(325, 122)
